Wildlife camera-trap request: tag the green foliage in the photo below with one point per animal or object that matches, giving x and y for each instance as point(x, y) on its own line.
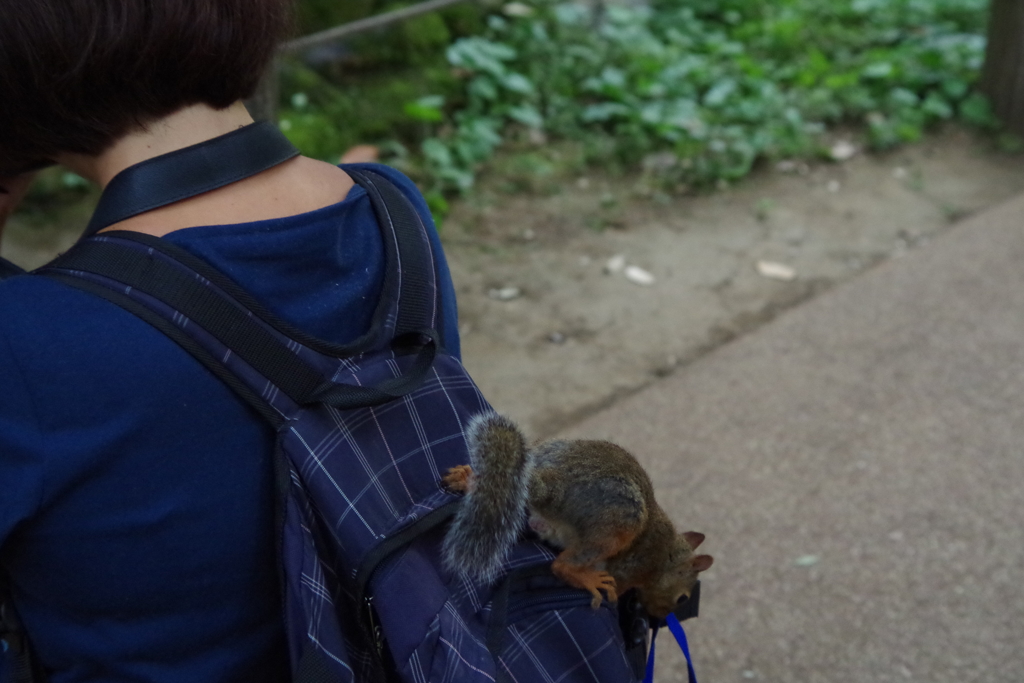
point(54, 189)
point(706, 87)
point(409, 42)
point(720, 83)
point(386, 87)
point(323, 117)
point(711, 86)
point(318, 15)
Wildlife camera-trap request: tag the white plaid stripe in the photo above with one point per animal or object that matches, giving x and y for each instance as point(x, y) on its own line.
point(313, 459)
point(387, 446)
point(350, 442)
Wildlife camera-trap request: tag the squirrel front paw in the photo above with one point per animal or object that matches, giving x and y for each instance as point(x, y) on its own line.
point(603, 581)
point(459, 479)
point(588, 579)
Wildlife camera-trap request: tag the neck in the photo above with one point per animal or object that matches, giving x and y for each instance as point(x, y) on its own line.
point(296, 186)
point(183, 128)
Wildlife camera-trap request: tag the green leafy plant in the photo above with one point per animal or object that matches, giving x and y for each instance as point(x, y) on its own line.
point(705, 87)
point(718, 83)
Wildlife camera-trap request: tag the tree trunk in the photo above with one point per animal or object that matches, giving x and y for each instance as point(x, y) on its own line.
point(1003, 76)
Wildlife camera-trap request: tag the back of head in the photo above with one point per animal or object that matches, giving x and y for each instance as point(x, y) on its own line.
point(76, 75)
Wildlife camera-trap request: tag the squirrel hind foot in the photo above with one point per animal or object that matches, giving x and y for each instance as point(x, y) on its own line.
point(459, 479)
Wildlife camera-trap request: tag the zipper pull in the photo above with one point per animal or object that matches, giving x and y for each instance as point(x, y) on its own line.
point(375, 630)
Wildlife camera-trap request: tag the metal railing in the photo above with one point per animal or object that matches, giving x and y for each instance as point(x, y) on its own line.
point(263, 105)
point(368, 24)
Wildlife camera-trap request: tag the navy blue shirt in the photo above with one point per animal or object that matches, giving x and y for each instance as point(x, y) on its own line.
point(135, 488)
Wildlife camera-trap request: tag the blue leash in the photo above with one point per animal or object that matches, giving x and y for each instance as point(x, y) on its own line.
point(677, 630)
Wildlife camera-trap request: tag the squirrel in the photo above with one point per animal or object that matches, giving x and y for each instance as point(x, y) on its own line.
point(591, 499)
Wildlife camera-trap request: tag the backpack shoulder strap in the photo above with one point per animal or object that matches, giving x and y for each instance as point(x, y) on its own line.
point(419, 303)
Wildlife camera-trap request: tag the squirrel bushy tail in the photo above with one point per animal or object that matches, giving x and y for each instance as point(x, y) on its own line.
point(493, 512)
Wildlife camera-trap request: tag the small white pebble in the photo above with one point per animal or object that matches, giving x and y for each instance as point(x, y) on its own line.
point(843, 150)
point(775, 271)
point(505, 293)
point(833, 186)
point(615, 264)
point(517, 9)
point(639, 276)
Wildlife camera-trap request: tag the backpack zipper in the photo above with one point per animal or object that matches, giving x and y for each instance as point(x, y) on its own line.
point(376, 634)
point(371, 626)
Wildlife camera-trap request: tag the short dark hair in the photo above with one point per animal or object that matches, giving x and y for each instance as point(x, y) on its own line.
point(76, 75)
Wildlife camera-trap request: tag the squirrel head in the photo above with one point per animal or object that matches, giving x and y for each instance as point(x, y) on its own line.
point(678, 575)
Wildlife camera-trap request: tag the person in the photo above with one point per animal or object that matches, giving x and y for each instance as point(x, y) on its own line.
point(136, 522)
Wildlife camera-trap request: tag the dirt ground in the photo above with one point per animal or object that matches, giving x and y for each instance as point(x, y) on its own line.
point(552, 334)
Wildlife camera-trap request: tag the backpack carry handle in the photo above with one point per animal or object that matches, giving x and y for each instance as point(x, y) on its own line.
point(346, 396)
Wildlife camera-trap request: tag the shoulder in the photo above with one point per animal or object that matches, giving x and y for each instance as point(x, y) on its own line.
point(393, 174)
point(60, 340)
point(404, 184)
point(30, 304)
point(33, 307)
point(26, 307)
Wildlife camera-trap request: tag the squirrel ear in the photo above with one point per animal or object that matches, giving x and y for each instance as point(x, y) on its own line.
point(694, 538)
point(702, 562)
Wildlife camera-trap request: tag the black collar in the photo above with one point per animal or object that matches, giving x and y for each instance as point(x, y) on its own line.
point(191, 171)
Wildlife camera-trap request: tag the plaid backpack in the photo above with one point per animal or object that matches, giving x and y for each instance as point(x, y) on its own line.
point(365, 432)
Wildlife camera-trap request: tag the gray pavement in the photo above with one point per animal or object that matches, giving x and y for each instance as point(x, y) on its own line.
point(858, 468)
